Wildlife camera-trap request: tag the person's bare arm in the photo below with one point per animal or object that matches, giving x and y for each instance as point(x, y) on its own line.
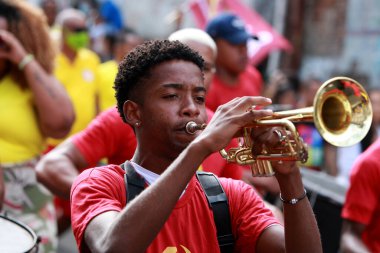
point(351, 238)
point(58, 168)
point(53, 105)
point(301, 229)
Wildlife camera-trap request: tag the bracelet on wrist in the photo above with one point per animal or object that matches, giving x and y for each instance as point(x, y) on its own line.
point(27, 58)
point(294, 200)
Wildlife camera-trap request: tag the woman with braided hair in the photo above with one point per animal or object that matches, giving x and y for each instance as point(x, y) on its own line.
point(33, 106)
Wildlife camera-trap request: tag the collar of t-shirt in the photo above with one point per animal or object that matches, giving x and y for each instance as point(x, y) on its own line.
point(149, 176)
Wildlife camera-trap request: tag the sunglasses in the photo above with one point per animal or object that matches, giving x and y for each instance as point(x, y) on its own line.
point(78, 29)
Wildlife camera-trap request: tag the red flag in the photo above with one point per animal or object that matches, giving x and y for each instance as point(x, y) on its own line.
point(269, 39)
point(199, 9)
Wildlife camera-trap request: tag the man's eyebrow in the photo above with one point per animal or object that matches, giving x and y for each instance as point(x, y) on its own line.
point(200, 89)
point(173, 85)
point(181, 86)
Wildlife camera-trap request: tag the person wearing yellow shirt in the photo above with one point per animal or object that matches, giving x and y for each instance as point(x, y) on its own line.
point(75, 68)
point(120, 44)
point(33, 106)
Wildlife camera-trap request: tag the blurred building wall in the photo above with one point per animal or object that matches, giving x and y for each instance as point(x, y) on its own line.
point(336, 37)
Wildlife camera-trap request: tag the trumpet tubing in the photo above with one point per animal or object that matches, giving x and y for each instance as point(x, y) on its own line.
point(341, 112)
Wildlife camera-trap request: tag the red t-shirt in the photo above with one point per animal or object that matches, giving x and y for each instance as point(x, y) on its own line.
point(190, 225)
point(107, 136)
point(362, 203)
point(250, 84)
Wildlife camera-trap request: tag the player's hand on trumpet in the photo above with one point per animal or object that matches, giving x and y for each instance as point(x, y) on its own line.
point(274, 140)
point(229, 120)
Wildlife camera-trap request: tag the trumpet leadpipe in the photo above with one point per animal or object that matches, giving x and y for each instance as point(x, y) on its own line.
point(192, 127)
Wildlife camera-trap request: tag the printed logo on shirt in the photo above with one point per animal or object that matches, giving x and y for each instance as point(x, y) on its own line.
point(88, 76)
point(175, 250)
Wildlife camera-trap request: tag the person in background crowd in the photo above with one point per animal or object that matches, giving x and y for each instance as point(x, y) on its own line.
point(75, 68)
point(374, 132)
point(50, 9)
point(159, 88)
point(111, 16)
point(33, 106)
point(320, 158)
point(361, 210)
point(119, 45)
point(283, 89)
point(234, 77)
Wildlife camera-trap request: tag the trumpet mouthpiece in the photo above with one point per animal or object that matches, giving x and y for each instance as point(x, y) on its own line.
point(192, 127)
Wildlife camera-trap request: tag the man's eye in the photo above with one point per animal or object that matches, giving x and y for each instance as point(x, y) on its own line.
point(171, 96)
point(200, 99)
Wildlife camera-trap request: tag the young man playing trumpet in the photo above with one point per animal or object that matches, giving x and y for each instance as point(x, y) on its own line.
point(159, 89)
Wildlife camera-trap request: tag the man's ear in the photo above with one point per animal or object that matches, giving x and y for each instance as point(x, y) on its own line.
point(131, 112)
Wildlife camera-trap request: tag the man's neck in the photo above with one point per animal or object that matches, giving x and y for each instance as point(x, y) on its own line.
point(152, 161)
point(69, 53)
point(227, 77)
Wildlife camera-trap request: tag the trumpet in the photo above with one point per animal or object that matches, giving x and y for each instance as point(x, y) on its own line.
point(341, 112)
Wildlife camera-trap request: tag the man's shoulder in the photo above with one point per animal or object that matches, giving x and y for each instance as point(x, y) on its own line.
point(232, 186)
point(85, 53)
point(102, 172)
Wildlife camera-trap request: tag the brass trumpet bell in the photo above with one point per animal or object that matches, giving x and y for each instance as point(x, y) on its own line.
point(341, 112)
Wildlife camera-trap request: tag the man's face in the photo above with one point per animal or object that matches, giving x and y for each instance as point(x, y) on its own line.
point(75, 33)
point(173, 95)
point(233, 58)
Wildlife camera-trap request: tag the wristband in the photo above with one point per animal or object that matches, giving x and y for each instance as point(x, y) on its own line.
point(294, 200)
point(27, 58)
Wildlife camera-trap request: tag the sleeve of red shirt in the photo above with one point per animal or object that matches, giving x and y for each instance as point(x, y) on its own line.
point(107, 136)
point(95, 191)
point(94, 140)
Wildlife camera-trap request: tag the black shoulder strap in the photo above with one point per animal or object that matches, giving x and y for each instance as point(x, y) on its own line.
point(134, 184)
point(218, 202)
point(216, 197)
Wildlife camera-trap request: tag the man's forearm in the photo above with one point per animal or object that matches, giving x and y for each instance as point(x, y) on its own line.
point(301, 229)
point(52, 102)
point(128, 233)
point(57, 174)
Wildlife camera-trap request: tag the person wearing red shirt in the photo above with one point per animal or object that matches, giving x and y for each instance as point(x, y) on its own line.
point(159, 89)
point(108, 137)
point(361, 210)
point(234, 77)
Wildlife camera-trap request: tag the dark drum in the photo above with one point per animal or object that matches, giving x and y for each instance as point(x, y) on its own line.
point(16, 237)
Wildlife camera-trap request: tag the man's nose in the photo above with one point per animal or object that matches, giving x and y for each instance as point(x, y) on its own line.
point(190, 108)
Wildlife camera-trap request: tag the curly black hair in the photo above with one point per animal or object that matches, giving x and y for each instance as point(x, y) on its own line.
point(137, 64)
